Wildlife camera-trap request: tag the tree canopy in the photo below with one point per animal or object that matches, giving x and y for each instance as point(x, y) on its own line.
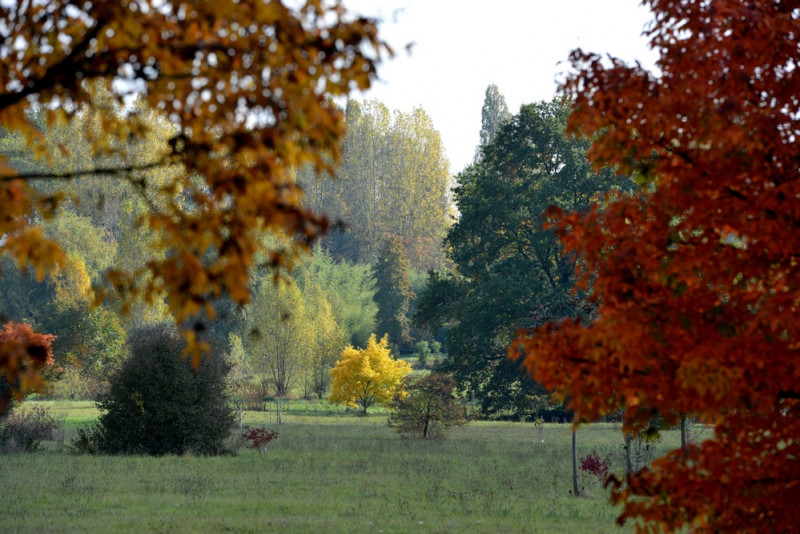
point(695, 278)
point(510, 271)
point(23, 354)
point(369, 376)
point(494, 114)
point(394, 179)
point(246, 89)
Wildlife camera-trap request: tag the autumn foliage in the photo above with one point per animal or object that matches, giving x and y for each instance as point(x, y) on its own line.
point(24, 354)
point(369, 376)
point(247, 87)
point(697, 276)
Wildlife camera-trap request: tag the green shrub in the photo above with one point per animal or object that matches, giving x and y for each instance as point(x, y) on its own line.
point(422, 352)
point(158, 404)
point(24, 430)
point(428, 407)
point(73, 385)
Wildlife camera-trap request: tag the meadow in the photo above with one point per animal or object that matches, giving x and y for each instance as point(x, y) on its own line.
point(327, 471)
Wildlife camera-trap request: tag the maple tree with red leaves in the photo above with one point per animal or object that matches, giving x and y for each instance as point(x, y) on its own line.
point(696, 277)
point(24, 354)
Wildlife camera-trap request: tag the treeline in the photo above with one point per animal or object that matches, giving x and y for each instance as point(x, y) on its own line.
point(394, 181)
point(493, 270)
point(361, 280)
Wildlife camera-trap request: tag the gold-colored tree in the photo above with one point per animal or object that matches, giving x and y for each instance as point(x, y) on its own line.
point(365, 377)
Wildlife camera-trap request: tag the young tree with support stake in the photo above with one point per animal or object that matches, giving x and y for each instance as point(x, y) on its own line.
point(696, 277)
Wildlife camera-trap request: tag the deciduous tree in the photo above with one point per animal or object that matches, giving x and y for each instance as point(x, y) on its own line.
point(494, 114)
point(510, 271)
point(394, 179)
point(329, 339)
point(246, 86)
point(349, 288)
point(428, 407)
point(23, 355)
point(369, 376)
point(696, 277)
point(280, 337)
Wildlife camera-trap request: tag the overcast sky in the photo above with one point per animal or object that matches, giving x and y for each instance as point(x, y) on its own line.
point(461, 46)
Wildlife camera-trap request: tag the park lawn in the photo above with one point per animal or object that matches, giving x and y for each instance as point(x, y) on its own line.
point(333, 473)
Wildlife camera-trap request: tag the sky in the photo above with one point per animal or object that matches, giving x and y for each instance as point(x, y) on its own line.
point(462, 46)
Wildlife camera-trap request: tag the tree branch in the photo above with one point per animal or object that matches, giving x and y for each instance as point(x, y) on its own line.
point(87, 172)
point(65, 67)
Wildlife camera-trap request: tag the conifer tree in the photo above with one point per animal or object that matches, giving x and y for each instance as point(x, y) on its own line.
point(393, 292)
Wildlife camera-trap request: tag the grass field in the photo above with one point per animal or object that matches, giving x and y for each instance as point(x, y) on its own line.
point(328, 472)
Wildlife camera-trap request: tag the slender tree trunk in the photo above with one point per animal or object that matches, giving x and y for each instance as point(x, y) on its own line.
point(278, 410)
point(684, 433)
point(575, 490)
point(628, 459)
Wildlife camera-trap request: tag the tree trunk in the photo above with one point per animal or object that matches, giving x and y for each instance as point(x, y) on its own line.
point(684, 437)
point(575, 490)
point(240, 416)
point(628, 459)
point(278, 410)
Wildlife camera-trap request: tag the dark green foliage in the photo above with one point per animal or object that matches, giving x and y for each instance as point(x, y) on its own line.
point(393, 293)
point(24, 297)
point(510, 272)
point(429, 407)
point(88, 441)
point(159, 405)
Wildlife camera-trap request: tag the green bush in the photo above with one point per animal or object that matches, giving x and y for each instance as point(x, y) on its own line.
point(158, 404)
point(422, 352)
point(428, 407)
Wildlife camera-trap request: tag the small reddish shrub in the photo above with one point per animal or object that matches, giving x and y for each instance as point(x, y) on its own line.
point(259, 437)
point(593, 465)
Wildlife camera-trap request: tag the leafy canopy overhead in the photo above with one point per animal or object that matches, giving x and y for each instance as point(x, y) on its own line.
point(696, 278)
point(247, 86)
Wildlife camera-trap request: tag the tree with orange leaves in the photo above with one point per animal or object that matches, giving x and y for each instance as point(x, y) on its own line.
point(247, 87)
point(697, 276)
point(23, 355)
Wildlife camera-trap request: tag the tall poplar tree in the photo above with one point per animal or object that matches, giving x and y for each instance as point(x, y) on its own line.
point(494, 114)
point(393, 179)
